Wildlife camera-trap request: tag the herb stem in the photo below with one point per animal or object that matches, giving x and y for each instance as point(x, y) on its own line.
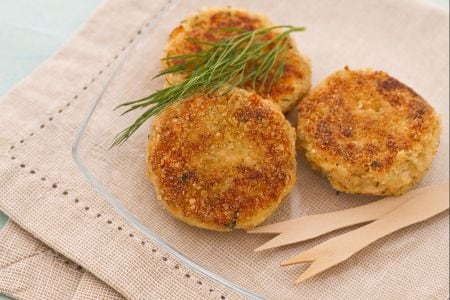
point(249, 57)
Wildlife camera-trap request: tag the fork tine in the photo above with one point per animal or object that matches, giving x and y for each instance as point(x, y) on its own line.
point(307, 256)
point(278, 227)
point(315, 268)
point(279, 240)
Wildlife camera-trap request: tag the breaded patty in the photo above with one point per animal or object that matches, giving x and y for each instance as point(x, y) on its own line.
point(286, 92)
point(368, 132)
point(222, 162)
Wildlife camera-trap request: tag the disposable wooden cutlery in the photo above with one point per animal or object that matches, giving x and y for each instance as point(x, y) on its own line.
point(308, 227)
point(390, 214)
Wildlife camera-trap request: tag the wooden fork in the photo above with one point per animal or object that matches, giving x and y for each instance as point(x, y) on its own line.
point(308, 227)
point(417, 208)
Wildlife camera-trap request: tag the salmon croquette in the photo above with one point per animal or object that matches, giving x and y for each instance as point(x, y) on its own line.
point(222, 162)
point(205, 26)
point(367, 132)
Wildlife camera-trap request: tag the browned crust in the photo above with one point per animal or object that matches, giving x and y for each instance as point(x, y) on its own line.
point(223, 162)
point(203, 26)
point(362, 120)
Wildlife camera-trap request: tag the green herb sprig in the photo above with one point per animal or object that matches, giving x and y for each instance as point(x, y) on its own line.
point(249, 57)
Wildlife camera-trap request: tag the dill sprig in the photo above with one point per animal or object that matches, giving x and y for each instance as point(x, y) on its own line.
point(247, 58)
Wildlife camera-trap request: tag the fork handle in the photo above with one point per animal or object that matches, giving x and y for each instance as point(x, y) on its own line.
point(308, 227)
point(326, 222)
point(413, 211)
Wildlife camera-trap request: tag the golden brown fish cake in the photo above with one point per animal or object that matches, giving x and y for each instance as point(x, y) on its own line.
point(368, 132)
point(286, 92)
point(222, 162)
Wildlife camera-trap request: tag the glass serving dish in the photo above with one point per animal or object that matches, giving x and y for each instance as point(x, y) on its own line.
point(119, 174)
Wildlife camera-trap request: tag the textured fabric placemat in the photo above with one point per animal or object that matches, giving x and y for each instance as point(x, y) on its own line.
point(44, 192)
point(54, 202)
point(31, 270)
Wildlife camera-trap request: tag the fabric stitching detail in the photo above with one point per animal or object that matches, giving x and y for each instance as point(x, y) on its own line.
point(13, 157)
point(24, 258)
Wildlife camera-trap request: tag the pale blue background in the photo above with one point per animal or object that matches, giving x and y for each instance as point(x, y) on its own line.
point(31, 30)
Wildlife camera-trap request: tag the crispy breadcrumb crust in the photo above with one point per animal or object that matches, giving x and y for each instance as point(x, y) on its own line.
point(368, 132)
point(286, 92)
point(222, 162)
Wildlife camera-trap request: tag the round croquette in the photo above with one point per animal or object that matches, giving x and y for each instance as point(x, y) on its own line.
point(367, 132)
point(222, 162)
point(286, 92)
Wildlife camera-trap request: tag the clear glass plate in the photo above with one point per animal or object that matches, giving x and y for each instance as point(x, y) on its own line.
point(119, 173)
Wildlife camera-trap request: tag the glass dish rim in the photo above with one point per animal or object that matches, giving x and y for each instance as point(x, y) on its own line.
point(103, 191)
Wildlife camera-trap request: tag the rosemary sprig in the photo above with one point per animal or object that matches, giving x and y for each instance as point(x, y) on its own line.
point(249, 57)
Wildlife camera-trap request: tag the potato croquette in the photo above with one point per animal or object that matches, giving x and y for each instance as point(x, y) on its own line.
point(367, 132)
point(286, 92)
point(222, 162)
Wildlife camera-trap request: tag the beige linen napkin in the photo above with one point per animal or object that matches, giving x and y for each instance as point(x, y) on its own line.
point(44, 192)
point(31, 270)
